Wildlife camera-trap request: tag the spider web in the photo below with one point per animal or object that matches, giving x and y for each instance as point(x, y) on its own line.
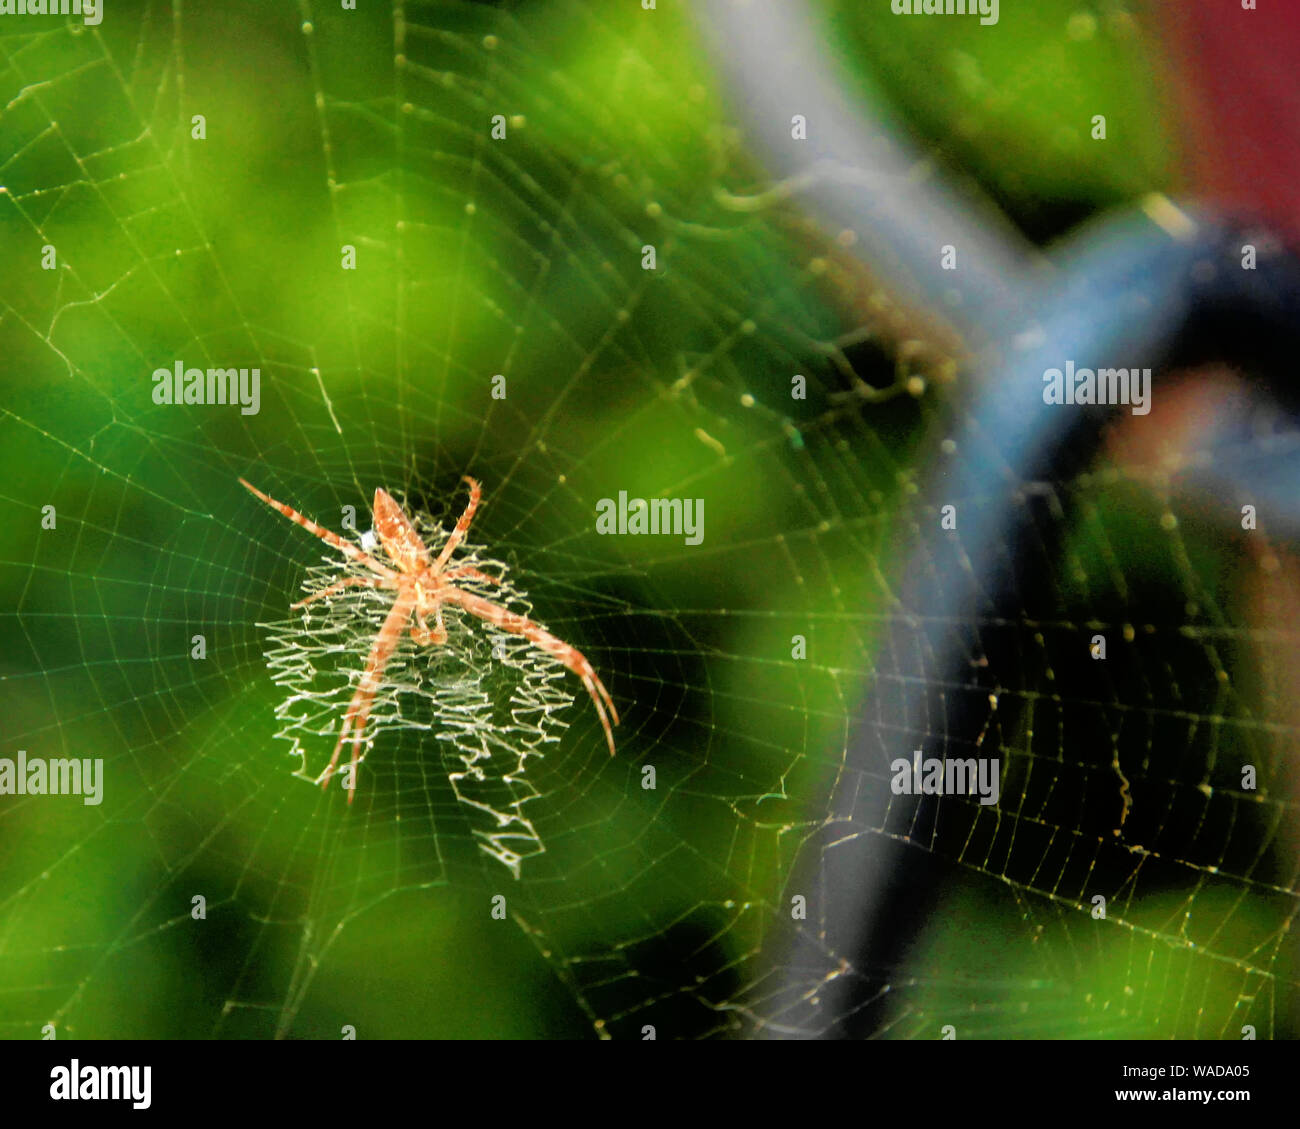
point(491, 695)
point(690, 883)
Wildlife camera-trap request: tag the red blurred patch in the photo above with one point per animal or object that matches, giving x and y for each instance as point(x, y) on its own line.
point(1236, 73)
point(1186, 407)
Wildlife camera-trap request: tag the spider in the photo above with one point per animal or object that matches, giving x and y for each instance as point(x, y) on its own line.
point(423, 586)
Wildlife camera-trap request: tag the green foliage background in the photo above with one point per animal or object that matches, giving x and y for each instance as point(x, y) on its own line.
point(522, 257)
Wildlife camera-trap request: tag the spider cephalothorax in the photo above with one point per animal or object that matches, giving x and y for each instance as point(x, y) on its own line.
point(423, 585)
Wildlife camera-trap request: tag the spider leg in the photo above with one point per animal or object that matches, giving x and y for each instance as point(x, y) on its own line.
point(354, 722)
point(462, 526)
point(468, 572)
point(556, 648)
point(347, 582)
point(331, 539)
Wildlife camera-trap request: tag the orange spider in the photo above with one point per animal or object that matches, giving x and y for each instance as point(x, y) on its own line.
point(422, 587)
